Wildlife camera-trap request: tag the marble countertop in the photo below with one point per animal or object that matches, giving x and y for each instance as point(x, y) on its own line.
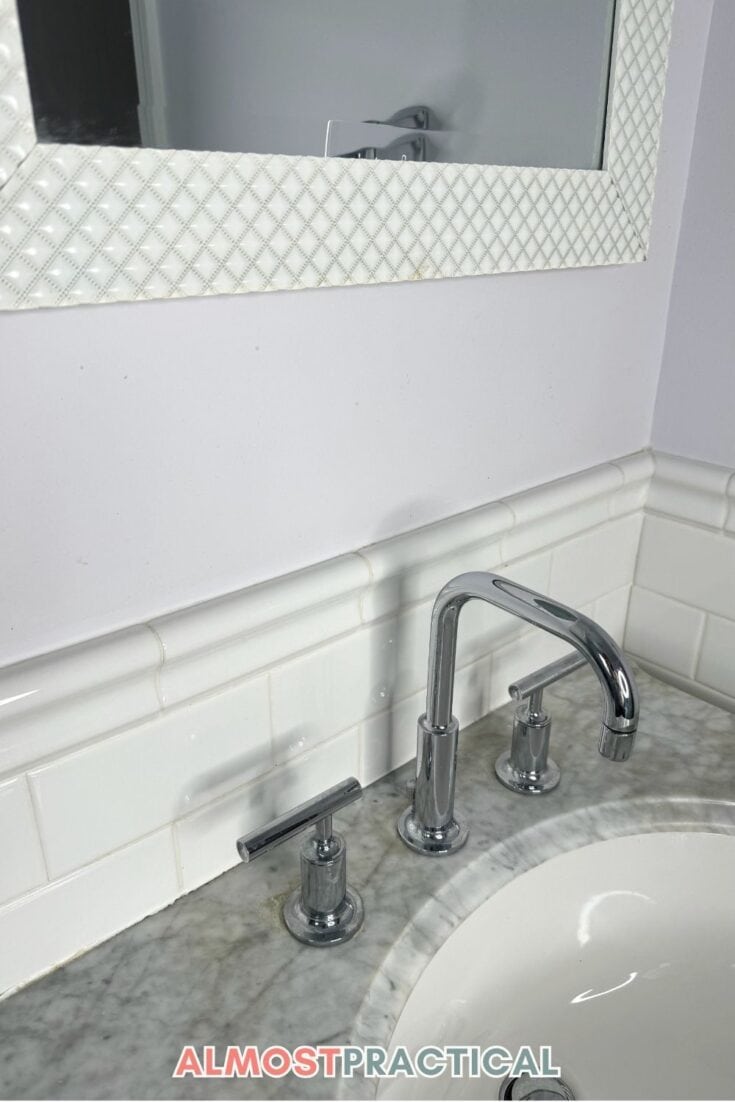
point(218, 967)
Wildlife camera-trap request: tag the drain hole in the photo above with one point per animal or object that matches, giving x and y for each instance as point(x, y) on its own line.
point(524, 1088)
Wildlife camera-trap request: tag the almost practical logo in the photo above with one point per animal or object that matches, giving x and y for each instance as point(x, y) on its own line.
point(371, 1061)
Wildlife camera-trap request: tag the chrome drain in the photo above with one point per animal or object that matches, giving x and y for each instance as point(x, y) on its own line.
point(526, 1087)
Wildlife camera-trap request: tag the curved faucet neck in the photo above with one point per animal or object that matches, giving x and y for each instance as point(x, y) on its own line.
point(620, 713)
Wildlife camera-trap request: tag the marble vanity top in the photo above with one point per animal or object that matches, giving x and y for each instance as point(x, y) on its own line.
point(217, 967)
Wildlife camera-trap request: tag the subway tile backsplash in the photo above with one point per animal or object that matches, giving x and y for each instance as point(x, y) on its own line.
point(22, 866)
point(665, 628)
point(66, 916)
point(692, 564)
point(130, 764)
point(682, 610)
point(94, 801)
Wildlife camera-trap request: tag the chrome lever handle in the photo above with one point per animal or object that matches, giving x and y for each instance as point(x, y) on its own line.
point(541, 679)
point(323, 911)
point(417, 117)
point(527, 767)
point(315, 812)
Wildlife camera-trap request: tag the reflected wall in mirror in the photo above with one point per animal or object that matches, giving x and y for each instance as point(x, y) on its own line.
point(116, 221)
point(518, 82)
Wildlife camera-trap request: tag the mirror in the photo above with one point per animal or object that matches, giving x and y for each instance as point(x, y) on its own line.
point(491, 82)
point(547, 114)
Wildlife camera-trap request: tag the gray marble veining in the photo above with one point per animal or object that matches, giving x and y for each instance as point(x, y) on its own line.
point(217, 967)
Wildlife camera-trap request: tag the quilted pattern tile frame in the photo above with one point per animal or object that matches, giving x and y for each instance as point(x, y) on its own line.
point(87, 224)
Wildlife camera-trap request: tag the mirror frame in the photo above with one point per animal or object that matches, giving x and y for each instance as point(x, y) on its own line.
point(90, 224)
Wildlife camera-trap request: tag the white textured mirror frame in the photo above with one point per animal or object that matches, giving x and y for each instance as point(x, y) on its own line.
point(87, 224)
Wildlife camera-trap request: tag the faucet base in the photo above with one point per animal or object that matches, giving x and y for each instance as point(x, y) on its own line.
point(323, 928)
point(532, 782)
point(431, 841)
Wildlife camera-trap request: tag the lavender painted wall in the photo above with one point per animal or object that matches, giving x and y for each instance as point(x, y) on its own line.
point(157, 454)
point(696, 398)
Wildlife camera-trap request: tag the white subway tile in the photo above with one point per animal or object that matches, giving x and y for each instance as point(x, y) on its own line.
point(549, 514)
point(437, 541)
point(689, 564)
point(206, 839)
point(235, 658)
point(223, 640)
point(730, 517)
point(391, 594)
point(637, 467)
point(334, 687)
point(411, 651)
point(388, 740)
point(564, 493)
point(63, 918)
point(717, 661)
point(611, 612)
point(473, 689)
point(208, 625)
point(21, 860)
point(689, 490)
point(44, 681)
point(52, 703)
point(414, 566)
point(105, 796)
point(637, 471)
point(664, 631)
point(595, 563)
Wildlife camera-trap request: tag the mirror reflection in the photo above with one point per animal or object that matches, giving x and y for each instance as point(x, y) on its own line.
point(520, 82)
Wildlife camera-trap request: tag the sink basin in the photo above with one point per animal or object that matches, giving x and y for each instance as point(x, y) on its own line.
point(620, 955)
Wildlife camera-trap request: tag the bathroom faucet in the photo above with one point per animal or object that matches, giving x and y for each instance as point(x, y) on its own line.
point(429, 826)
point(324, 910)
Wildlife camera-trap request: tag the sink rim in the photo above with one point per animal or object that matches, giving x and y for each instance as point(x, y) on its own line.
point(496, 867)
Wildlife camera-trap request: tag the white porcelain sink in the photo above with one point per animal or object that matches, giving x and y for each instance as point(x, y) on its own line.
point(619, 955)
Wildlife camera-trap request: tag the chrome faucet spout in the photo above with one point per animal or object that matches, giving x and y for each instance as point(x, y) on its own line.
point(620, 709)
point(430, 825)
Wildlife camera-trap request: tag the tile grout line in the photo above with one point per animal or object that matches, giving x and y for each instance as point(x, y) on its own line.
point(699, 646)
point(36, 812)
point(70, 874)
point(159, 668)
point(684, 604)
point(178, 863)
point(699, 689)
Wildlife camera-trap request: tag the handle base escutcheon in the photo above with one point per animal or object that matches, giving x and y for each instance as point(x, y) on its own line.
point(324, 928)
point(431, 841)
